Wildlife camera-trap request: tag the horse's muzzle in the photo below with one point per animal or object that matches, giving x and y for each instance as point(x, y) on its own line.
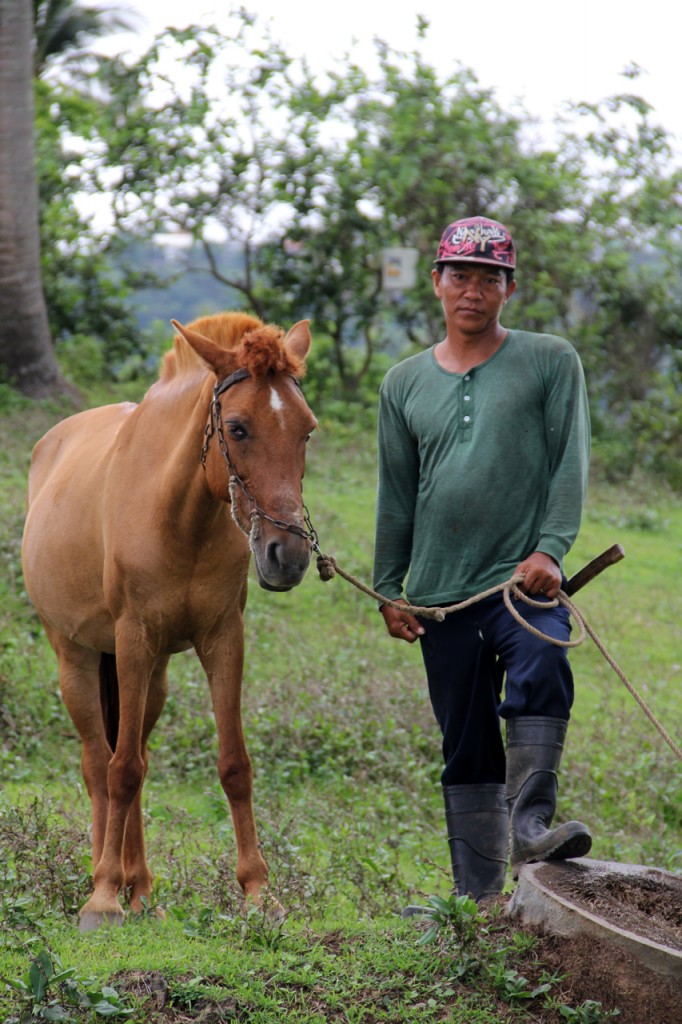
point(281, 563)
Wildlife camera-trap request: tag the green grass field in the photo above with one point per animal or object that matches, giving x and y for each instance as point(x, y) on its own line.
point(347, 795)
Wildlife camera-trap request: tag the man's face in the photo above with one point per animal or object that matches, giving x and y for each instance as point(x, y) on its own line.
point(472, 295)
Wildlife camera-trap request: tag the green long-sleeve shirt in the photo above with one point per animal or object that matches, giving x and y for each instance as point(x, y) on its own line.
point(477, 470)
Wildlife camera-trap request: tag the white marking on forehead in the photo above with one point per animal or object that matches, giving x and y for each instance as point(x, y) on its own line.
point(276, 402)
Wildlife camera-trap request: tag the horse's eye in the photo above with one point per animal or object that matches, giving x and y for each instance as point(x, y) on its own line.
point(237, 432)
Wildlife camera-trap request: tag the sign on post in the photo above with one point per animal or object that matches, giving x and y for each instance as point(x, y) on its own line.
point(399, 268)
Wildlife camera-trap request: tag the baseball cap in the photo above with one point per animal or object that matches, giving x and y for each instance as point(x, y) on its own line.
point(478, 240)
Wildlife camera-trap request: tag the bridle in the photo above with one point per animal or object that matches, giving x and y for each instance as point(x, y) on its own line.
point(256, 513)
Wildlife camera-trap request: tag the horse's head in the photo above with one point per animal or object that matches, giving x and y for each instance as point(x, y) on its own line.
point(254, 453)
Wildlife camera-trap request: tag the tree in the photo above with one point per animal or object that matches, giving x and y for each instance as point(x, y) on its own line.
point(179, 161)
point(87, 295)
point(418, 152)
point(313, 176)
point(313, 180)
point(90, 314)
point(61, 26)
point(26, 352)
point(628, 321)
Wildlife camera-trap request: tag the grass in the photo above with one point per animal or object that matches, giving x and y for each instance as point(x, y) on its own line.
point(347, 762)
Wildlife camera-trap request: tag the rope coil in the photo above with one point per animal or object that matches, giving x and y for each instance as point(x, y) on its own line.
point(328, 567)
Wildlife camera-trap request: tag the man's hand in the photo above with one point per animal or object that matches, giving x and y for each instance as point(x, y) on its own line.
point(401, 624)
point(543, 575)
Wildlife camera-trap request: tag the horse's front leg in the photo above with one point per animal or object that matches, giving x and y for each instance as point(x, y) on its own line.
point(138, 877)
point(124, 779)
point(223, 662)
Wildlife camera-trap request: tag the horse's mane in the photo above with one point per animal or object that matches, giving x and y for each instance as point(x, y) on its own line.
point(259, 347)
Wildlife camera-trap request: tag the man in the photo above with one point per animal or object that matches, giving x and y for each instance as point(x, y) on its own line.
point(483, 461)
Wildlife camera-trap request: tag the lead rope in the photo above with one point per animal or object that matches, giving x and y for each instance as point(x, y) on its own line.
point(328, 567)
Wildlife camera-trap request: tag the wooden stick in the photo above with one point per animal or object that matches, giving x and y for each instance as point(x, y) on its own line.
point(609, 557)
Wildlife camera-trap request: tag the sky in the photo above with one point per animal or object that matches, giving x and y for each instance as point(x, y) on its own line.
point(540, 53)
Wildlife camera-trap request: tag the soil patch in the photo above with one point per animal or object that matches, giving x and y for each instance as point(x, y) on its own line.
point(647, 904)
point(600, 972)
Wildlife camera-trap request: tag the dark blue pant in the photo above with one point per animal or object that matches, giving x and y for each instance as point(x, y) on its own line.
point(468, 657)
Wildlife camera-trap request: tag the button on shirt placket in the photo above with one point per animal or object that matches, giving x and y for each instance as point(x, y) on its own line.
point(466, 419)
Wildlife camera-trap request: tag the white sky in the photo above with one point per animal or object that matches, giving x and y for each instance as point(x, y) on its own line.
point(540, 52)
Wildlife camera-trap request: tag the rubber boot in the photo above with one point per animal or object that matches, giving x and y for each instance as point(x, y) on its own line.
point(478, 830)
point(534, 747)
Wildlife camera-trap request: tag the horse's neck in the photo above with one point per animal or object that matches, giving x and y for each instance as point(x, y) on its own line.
point(178, 418)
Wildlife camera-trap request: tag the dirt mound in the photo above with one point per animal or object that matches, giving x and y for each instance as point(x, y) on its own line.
point(602, 973)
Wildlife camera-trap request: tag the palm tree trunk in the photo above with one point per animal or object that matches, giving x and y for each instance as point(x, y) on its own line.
point(26, 353)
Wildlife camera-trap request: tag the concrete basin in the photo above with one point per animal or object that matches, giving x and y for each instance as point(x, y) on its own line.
point(635, 907)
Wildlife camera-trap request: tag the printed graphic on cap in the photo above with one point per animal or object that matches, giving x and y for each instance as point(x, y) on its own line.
point(478, 239)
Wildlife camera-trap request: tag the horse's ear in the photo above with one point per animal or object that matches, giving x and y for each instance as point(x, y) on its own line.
point(220, 360)
point(297, 341)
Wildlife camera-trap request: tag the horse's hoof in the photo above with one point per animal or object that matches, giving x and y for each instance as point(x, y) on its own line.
point(266, 903)
point(90, 920)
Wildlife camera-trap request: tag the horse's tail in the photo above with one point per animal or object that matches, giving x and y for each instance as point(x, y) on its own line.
point(108, 695)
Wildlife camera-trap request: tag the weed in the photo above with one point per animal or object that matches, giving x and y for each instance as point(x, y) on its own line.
point(264, 927)
point(48, 992)
point(480, 959)
point(42, 859)
point(459, 914)
point(588, 1012)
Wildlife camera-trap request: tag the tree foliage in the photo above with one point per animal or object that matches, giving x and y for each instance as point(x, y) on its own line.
point(88, 299)
point(86, 295)
point(62, 27)
point(314, 175)
point(224, 136)
point(630, 317)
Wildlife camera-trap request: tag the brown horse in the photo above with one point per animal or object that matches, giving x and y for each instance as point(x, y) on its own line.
point(136, 547)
